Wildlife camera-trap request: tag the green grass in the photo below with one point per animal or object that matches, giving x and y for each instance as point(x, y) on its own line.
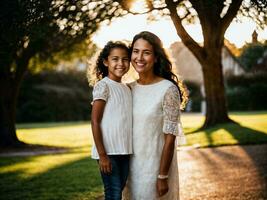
point(72, 135)
point(251, 129)
point(73, 175)
point(66, 176)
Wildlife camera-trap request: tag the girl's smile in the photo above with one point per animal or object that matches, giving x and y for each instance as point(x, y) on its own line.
point(117, 63)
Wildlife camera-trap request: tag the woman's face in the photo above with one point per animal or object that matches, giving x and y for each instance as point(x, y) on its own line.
point(143, 57)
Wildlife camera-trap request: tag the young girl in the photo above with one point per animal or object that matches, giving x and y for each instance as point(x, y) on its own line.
point(112, 118)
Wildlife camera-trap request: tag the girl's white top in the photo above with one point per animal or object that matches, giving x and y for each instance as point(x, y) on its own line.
point(116, 124)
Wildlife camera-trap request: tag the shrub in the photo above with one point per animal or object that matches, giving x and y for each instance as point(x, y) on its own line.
point(247, 92)
point(195, 97)
point(54, 96)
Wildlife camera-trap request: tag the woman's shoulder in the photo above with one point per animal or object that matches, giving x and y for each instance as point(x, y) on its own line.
point(166, 84)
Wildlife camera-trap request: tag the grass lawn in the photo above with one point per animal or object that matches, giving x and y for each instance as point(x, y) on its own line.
point(73, 175)
point(251, 129)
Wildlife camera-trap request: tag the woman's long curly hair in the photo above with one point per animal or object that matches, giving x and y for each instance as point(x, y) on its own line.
point(163, 65)
point(100, 71)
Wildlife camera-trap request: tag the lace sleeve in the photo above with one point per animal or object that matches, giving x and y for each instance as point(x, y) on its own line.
point(171, 114)
point(100, 91)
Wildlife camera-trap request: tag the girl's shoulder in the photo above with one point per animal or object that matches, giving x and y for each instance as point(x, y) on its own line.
point(101, 86)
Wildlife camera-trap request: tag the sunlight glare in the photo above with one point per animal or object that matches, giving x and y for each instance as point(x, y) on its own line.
point(126, 27)
point(139, 6)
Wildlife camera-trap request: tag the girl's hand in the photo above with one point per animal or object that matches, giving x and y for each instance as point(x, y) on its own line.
point(105, 164)
point(162, 187)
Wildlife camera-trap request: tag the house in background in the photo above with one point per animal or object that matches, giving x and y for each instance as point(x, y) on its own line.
point(188, 67)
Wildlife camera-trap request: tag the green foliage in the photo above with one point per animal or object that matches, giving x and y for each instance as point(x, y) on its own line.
point(251, 53)
point(247, 92)
point(81, 52)
point(256, 10)
point(43, 27)
point(54, 96)
point(195, 96)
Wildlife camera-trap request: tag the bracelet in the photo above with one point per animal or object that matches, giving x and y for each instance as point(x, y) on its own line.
point(163, 176)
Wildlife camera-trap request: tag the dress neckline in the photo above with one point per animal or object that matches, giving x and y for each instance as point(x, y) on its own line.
point(112, 81)
point(147, 85)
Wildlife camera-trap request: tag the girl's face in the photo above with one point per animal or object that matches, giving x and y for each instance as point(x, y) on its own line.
point(143, 57)
point(117, 63)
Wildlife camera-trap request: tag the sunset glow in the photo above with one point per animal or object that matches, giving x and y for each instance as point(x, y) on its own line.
point(125, 28)
point(138, 7)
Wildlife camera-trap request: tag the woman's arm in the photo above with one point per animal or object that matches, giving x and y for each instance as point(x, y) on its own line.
point(171, 118)
point(96, 117)
point(165, 163)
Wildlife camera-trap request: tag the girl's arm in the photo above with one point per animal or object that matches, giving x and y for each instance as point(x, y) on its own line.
point(97, 114)
point(165, 162)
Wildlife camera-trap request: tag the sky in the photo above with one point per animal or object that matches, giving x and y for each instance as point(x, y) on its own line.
point(125, 28)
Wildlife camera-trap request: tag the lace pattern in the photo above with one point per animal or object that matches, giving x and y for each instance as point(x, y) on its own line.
point(100, 91)
point(171, 114)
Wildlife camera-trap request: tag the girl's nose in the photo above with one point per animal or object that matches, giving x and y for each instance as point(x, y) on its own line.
point(120, 62)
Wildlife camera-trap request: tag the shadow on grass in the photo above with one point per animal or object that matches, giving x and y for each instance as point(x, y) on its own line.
point(75, 180)
point(243, 135)
point(32, 149)
point(50, 124)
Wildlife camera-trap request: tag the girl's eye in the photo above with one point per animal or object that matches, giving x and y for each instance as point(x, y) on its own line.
point(115, 59)
point(125, 59)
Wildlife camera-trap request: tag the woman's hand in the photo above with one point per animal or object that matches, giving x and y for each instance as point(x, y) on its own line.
point(162, 187)
point(105, 164)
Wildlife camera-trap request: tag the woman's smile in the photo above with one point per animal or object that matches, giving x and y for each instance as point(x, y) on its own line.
point(143, 57)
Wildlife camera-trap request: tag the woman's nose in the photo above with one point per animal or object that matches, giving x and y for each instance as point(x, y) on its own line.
point(140, 56)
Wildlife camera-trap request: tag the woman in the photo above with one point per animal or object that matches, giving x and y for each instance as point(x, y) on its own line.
point(156, 122)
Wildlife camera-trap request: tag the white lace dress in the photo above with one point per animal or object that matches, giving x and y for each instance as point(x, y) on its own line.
point(155, 113)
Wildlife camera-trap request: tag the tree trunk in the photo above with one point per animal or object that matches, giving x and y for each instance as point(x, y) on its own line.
point(8, 99)
point(216, 104)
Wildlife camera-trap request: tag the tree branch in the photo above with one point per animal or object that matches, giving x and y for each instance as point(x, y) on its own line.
point(186, 15)
point(22, 64)
point(231, 13)
point(188, 41)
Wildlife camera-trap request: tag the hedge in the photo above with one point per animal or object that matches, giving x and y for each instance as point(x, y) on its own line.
point(54, 96)
point(195, 97)
point(247, 92)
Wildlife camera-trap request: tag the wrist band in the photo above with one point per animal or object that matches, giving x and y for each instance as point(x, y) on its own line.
point(162, 176)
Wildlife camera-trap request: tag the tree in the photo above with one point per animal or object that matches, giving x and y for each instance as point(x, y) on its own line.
point(214, 17)
point(37, 29)
point(250, 55)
